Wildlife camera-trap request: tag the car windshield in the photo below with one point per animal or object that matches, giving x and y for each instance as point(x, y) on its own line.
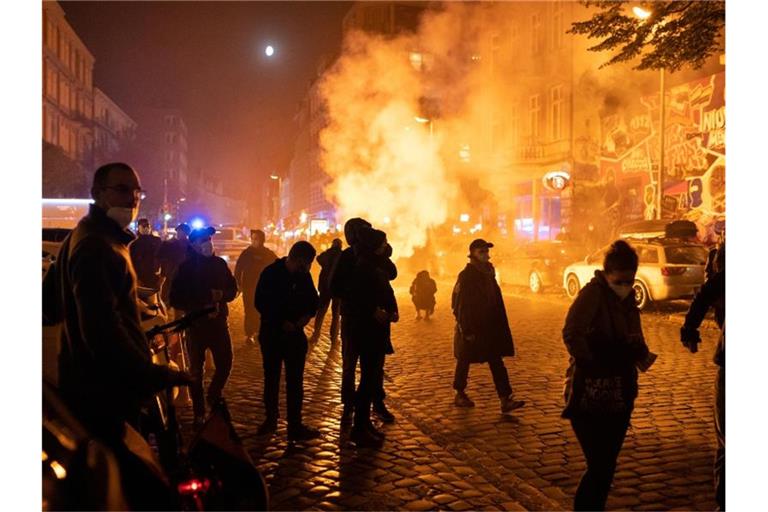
point(224, 234)
point(686, 254)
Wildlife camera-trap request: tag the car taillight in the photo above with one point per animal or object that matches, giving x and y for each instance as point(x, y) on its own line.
point(672, 271)
point(194, 486)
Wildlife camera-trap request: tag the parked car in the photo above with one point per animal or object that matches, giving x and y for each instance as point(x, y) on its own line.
point(669, 269)
point(229, 242)
point(52, 239)
point(536, 265)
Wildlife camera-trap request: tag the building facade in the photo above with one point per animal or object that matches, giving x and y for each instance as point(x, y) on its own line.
point(113, 129)
point(67, 88)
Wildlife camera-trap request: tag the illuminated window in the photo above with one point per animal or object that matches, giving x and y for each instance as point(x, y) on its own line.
point(534, 111)
point(556, 112)
point(557, 25)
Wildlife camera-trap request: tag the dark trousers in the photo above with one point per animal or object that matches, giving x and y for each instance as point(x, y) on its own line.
point(252, 319)
point(349, 358)
point(720, 431)
point(498, 370)
point(600, 438)
point(273, 358)
point(216, 339)
point(322, 309)
point(371, 379)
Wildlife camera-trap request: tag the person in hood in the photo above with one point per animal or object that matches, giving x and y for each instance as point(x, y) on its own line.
point(106, 372)
point(604, 338)
point(204, 280)
point(144, 251)
point(372, 310)
point(482, 333)
point(287, 300)
point(423, 290)
point(712, 295)
point(341, 282)
point(327, 261)
point(251, 263)
point(171, 255)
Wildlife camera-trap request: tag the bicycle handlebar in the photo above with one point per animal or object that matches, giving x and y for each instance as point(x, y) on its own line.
point(182, 323)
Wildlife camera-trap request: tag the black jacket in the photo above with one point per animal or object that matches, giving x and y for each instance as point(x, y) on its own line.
point(712, 294)
point(604, 338)
point(250, 264)
point(195, 280)
point(342, 279)
point(327, 261)
point(423, 290)
point(171, 255)
point(144, 250)
point(105, 367)
point(479, 311)
point(283, 297)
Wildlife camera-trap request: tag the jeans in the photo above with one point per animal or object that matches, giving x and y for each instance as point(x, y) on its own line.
point(600, 438)
point(213, 336)
point(498, 370)
point(322, 309)
point(720, 431)
point(274, 357)
point(371, 377)
point(349, 358)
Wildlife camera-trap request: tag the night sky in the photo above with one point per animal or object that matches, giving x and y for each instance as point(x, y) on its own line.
point(207, 58)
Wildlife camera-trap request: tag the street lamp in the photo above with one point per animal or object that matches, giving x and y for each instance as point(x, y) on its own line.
point(278, 199)
point(643, 14)
point(424, 120)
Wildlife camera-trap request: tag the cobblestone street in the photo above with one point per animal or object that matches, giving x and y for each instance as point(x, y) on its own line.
point(439, 456)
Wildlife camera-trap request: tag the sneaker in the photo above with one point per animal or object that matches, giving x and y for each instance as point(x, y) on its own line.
point(375, 432)
point(347, 414)
point(364, 437)
point(380, 410)
point(462, 400)
point(509, 404)
point(267, 428)
point(303, 433)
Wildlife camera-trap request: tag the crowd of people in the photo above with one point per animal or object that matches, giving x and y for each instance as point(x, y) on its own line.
point(106, 371)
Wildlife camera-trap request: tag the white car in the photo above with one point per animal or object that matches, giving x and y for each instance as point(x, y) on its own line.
point(669, 269)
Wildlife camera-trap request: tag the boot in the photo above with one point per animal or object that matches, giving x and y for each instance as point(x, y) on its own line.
point(462, 400)
point(508, 404)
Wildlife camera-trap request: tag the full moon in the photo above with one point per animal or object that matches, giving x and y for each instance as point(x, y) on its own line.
point(269, 51)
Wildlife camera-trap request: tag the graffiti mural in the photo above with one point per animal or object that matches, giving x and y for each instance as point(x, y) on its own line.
point(694, 154)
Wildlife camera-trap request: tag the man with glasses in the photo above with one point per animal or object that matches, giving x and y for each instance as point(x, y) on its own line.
point(482, 330)
point(105, 368)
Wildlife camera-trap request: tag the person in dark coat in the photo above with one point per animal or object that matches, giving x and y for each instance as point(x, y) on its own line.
point(482, 333)
point(341, 283)
point(287, 300)
point(106, 372)
point(372, 309)
point(327, 261)
point(252, 261)
point(204, 280)
point(604, 338)
point(144, 252)
point(423, 290)
point(712, 295)
point(171, 255)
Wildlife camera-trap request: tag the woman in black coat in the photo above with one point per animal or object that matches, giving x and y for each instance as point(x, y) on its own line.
point(605, 342)
point(482, 331)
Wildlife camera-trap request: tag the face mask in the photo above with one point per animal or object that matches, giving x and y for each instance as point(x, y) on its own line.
point(123, 216)
point(622, 290)
point(206, 248)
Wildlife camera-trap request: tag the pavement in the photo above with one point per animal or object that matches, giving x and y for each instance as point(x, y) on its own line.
point(437, 456)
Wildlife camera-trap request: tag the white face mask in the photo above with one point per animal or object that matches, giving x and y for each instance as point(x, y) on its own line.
point(206, 248)
point(123, 216)
point(622, 290)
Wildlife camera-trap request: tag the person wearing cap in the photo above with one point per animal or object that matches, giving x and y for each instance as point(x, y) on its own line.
point(287, 300)
point(251, 262)
point(144, 252)
point(341, 282)
point(171, 254)
point(204, 280)
point(482, 333)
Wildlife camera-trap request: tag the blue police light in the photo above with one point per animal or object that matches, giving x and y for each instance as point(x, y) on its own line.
point(197, 223)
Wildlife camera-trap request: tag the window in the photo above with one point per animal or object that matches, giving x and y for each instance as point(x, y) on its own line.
point(514, 124)
point(169, 120)
point(648, 255)
point(557, 25)
point(536, 33)
point(556, 112)
point(534, 111)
